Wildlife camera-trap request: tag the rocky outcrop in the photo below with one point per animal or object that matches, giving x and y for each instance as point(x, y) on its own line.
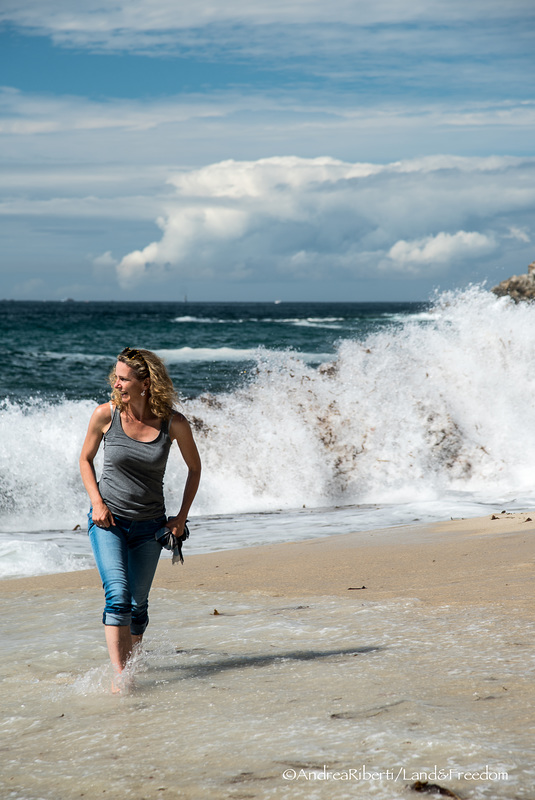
point(519, 287)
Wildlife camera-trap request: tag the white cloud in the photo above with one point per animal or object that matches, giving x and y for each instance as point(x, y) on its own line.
point(195, 129)
point(520, 234)
point(106, 260)
point(26, 114)
point(104, 166)
point(401, 79)
point(63, 16)
point(437, 250)
point(186, 234)
point(303, 218)
point(300, 28)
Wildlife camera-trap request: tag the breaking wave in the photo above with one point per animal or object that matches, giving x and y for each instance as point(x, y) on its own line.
point(411, 413)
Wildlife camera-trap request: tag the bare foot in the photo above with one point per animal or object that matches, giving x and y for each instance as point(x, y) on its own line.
point(122, 682)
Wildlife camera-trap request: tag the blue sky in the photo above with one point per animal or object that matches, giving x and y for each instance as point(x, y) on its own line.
point(277, 150)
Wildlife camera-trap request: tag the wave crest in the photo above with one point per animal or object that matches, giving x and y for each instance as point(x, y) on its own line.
point(434, 405)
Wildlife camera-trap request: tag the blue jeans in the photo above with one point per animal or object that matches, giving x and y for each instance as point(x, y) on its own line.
point(126, 554)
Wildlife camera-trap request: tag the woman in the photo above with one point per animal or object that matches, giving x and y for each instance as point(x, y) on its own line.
point(138, 427)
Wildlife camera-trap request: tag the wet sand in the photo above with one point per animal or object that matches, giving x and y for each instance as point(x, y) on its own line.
point(481, 561)
point(304, 686)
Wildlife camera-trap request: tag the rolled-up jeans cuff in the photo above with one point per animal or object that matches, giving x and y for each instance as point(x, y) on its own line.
point(139, 629)
point(109, 618)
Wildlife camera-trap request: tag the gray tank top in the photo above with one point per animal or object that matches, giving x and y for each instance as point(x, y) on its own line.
point(131, 483)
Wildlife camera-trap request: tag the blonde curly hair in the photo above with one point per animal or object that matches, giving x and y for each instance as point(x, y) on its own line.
point(146, 364)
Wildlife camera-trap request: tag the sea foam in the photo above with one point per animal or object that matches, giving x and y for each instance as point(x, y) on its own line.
point(432, 407)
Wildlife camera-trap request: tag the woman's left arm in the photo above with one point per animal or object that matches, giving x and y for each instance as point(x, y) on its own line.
point(180, 431)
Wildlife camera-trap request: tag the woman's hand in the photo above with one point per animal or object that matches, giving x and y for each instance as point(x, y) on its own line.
point(102, 516)
point(176, 526)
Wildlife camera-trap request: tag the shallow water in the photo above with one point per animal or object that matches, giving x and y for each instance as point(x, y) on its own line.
point(269, 698)
point(42, 552)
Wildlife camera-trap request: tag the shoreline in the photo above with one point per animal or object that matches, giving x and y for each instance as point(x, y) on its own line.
point(476, 561)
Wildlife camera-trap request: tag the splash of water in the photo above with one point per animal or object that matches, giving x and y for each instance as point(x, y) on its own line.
point(439, 404)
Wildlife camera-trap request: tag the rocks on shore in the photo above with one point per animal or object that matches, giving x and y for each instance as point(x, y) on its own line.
point(519, 287)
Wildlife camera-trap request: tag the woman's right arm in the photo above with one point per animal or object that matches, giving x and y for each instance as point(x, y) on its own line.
point(98, 424)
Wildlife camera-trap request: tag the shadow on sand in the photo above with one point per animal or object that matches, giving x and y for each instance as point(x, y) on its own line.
point(183, 672)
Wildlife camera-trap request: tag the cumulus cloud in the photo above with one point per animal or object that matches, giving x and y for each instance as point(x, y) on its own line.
point(438, 250)
point(304, 218)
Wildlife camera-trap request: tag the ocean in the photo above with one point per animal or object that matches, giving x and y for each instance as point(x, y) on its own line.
point(311, 418)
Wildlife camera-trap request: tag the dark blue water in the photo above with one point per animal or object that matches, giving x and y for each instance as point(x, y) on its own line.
point(65, 350)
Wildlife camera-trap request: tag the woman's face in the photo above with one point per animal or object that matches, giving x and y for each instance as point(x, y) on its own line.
point(127, 384)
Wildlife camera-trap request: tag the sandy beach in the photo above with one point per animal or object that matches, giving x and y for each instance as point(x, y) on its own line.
point(487, 560)
point(347, 666)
